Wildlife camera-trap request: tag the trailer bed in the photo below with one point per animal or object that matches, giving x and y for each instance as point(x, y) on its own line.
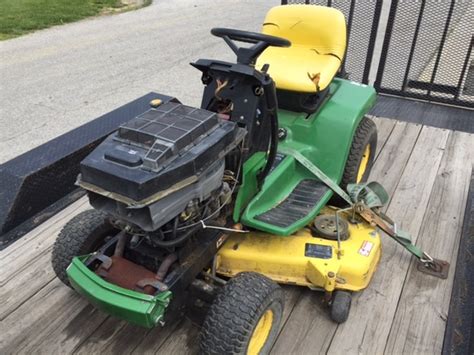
point(426, 171)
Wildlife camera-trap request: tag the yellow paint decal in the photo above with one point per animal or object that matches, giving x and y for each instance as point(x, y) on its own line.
point(366, 248)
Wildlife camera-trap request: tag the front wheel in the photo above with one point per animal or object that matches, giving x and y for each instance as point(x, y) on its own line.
point(83, 234)
point(245, 316)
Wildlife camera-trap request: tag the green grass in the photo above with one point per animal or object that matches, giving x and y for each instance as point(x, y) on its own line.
point(18, 17)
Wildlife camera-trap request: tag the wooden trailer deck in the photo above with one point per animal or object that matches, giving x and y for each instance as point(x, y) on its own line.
point(426, 171)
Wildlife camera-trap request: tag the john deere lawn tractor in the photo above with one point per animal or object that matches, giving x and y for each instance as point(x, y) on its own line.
point(262, 184)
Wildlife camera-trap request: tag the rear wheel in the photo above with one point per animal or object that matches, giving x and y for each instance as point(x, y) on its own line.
point(245, 316)
point(362, 154)
point(83, 234)
point(361, 158)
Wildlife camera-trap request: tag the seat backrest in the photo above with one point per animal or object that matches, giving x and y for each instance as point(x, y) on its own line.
point(317, 27)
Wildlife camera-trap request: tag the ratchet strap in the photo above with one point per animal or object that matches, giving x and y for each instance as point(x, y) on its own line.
point(300, 158)
point(366, 200)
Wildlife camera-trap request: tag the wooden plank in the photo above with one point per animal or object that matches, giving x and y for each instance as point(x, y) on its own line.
point(384, 129)
point(20, 254)
point(391, 161)
point(36, 325)
point(26, 264)
point(309, 329)
point(117, 336)
point(184, 340)
point(25, 284)
point(368, 326)
point(420, 319)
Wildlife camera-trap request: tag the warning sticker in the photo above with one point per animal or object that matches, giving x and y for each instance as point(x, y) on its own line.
point(366, 248)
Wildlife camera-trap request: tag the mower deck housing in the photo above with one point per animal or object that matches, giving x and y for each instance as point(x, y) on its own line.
point(304, 259)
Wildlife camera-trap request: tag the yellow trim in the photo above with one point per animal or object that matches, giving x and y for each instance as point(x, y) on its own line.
point(363, 163)
point(318, 43)
point(261, 332)
point(284, 258)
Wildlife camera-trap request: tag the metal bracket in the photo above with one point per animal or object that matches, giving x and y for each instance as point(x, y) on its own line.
point(434, 267)
point(106, 262)
point(160, 286)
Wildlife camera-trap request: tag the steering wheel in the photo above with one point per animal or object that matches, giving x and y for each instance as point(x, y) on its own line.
point(260, 41)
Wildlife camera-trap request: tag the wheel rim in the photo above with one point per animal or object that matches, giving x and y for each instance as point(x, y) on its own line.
point(261, 332)
point(364, 162)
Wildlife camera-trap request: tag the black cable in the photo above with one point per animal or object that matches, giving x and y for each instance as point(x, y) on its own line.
point(179, 240)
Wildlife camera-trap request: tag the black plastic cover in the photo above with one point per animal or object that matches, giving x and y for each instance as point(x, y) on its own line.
point(158, 149)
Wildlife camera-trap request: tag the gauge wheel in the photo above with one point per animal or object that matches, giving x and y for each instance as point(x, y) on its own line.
point(341, 306)
point(245, 316)
point(82, 235)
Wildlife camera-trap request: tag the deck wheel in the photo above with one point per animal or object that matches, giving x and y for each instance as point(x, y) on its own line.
point(340, 306)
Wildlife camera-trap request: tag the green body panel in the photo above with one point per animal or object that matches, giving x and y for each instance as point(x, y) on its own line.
point(135, 307)
point(249, 186)
point(324, 138)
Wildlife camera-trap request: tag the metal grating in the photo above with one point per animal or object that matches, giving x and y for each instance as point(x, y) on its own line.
point(427, 51)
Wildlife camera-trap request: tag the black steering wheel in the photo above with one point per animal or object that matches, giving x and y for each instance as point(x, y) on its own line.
point(260, 41)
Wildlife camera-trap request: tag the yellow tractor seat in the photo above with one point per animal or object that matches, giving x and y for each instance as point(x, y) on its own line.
point(318, 44)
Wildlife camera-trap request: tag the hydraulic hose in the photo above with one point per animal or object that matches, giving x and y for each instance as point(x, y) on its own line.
point(177, 241)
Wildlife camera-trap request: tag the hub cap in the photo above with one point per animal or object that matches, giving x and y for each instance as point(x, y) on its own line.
point(261, 333)
point(364, 162)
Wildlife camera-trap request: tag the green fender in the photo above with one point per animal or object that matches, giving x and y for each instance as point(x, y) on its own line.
point(324, 138)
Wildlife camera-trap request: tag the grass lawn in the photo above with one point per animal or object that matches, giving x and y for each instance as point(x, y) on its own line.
point(18, 17)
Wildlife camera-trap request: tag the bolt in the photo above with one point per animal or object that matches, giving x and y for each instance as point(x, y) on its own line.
point(331, 274)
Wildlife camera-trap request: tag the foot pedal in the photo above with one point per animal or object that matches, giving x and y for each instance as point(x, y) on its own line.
point(301, 201)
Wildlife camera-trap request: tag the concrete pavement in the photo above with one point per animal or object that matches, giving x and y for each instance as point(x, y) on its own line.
point(54, 80)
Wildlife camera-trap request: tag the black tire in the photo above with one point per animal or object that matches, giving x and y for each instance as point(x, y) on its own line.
point(365, 135)
point(83, 234)
point(238, 308)
point(341, 306)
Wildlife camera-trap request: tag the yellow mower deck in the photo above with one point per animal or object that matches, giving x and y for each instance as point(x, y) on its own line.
point(305, 260)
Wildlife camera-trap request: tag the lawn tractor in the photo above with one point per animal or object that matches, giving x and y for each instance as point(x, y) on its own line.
point(265, 183)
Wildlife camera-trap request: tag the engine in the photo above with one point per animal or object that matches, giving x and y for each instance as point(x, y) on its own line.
point(165, 171)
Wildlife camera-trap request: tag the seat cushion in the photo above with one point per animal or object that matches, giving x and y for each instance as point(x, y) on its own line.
point(289, 68)
point(318, 42)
